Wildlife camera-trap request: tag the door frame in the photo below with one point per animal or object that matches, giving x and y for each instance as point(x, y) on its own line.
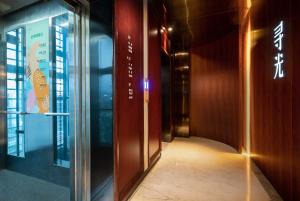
point(80, 141)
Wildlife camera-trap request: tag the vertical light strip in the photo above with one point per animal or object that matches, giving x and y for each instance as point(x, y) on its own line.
point(249, 179)
point(146, 125)
point(248, 103)
point(249, 3)
point(188, 18)
point(248, 87)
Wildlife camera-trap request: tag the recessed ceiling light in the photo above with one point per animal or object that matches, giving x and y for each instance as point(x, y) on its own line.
point(170, 29)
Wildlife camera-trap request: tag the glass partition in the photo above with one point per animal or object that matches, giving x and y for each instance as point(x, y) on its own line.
point(60, 91)
point(101, 82)
point(15, 55)
point(38, 66)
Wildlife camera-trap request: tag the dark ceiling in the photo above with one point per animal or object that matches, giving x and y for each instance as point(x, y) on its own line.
point(7, 6)
point(199, 21)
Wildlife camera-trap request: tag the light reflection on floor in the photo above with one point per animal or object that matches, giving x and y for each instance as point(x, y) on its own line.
point(197, 169)
point(248, 178)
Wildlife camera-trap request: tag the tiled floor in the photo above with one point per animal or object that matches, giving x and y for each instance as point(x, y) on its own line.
point(198, 169)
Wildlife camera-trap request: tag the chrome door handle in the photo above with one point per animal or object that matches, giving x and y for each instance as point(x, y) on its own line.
point(57, 114)
point(24, 113)
point(13, 112)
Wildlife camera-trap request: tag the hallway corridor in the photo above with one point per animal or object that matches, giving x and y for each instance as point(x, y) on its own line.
point(198, 169)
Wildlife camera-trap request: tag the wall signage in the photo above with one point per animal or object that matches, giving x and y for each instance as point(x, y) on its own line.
point(130, 67)
point(37, 69)
point(279, 57)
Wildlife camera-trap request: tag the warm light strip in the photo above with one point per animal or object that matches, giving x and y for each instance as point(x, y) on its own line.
point(181, 67)
point(248, 104)
point(248, 179)
point(146, 109)
point(187, 17)
point(248, 87)
point(181, 54)
point(249, 4)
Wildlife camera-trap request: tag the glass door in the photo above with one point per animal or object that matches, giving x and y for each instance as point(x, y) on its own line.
point(40, 61)
point(15, 92)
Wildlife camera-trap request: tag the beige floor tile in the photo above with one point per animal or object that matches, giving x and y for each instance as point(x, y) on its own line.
point(198, 169)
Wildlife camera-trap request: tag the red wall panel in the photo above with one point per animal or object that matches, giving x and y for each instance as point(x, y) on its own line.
point(214, 103)
point(129, 102)
point(154, 69)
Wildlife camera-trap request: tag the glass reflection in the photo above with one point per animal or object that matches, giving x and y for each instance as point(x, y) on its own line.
point(15, 93)
point(101, 60)
point(38, 55)
point(61, 92)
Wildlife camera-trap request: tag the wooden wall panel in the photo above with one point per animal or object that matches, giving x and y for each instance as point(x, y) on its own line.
point(129, 97)
point(243, 59)
point(296, 100)
point(214, 103)
point(154, 69)
point(271, 126)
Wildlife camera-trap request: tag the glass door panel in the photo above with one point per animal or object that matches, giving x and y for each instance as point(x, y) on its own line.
point(60, 89)
point(101, 89)
point(39, 60)
point(15, 92)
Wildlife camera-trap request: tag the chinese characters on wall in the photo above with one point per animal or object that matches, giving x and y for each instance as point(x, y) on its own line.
point(130, 67)
point(279, 57)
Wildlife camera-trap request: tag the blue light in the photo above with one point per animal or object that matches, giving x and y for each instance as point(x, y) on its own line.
point(146, 84)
